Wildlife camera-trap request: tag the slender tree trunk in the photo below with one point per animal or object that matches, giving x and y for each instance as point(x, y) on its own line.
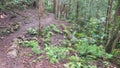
point(77, 10)
point(41, 8)
point(115, 37)
point(41, 12)
point(109, 12)
point(54, 5)
point(117, 13)
point(108, 20)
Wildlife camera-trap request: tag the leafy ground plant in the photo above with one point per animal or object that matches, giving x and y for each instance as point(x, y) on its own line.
point(78, 62)
point(86, 54)
point(32, 31)
point(48, 31)
point(93, 51)
point(33, 44)
point(55, 53)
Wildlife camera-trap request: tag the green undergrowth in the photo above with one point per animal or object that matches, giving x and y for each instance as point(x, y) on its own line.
point(116, 52)
point(86, 52)
point(48, 31)
point(32, 31)
point(55, 53)
point(32, 44)
point(79, 62)
point(93, 51)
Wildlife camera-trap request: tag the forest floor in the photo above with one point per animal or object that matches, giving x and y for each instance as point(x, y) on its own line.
point(26, 19)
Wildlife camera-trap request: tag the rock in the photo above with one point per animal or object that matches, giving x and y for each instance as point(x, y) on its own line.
point(13, 50)
point(15, 44)
point(13, 53)
point(1, 38)
point(2, 16)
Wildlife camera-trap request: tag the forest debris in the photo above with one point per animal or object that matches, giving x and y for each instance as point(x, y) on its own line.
point(14, 26)
point(13, 53)
point(13, 50)
point(11, 28)
point(2, 16)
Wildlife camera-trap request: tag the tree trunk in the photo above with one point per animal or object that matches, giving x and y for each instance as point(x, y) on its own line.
point(41, 8)
point(109, 13)
point(117, 13)
point(54, 5)
point(115, 37)
point(108, 20)
point(41, 12)
point(77, 11)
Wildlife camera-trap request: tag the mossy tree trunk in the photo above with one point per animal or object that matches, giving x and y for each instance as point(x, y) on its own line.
point(116, 31)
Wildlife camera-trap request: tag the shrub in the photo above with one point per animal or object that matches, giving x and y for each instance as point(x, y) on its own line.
point(55, 53)
point(93, 51)
point(33, 44)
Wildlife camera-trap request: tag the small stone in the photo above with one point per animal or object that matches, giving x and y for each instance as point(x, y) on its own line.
point(1, 37)
point(3, 16)
point(13, 50)
point(12, 53)
point(15, 44)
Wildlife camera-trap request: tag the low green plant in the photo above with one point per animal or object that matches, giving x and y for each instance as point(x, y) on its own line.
point(51, 28)
point(32, 31)
point(54, 28)
point(78, 62)
point(73, 65)
point(78, 65)
point(116, 52)
point(33, 44)
point(84, 49)
point(74, 62)
point(55, 53)
point(106, 63)
point(48, 31)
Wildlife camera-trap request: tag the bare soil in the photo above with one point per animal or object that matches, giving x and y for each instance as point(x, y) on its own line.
point(26, 19)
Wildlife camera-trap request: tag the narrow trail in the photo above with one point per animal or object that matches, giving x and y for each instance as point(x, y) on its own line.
point(30, 22)
point(33, 23)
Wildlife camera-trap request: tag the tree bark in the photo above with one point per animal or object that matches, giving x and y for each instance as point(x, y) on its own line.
point(54, 4)
point(109, 13)
point(41, 8)
point(117, 13)
point(77, 11)
point(41, 12)
point(116, 34)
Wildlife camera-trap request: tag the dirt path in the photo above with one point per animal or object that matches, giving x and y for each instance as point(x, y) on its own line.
point(30, 22)
point(25, 23)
